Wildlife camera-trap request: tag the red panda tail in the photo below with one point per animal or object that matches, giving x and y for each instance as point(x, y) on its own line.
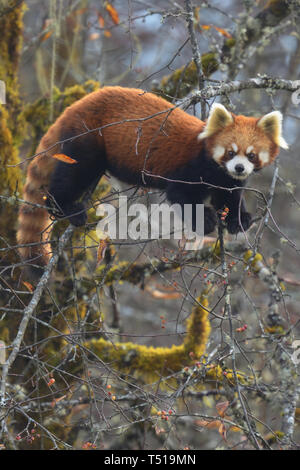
point(34, 222)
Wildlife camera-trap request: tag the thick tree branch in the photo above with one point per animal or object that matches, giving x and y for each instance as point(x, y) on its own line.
point(253, 29)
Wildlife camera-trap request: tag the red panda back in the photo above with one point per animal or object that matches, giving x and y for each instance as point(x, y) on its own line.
point(150, 128)
point(135, 125)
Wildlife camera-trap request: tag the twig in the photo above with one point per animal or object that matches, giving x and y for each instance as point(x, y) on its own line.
point(196, 53)
point(252, 433)
point(28, 311)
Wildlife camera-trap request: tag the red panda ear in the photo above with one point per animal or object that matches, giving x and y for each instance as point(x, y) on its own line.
point(218, 119)
point(271, 124)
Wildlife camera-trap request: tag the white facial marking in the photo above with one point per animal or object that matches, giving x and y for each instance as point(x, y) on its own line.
point(237, 162)
point(234, 147)
point(249, 149)
point(218, 153)
point(264, 157)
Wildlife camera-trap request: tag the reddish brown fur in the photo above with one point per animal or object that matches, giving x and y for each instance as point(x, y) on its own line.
point(171, 138)
point(98, 109)
point(244, 132)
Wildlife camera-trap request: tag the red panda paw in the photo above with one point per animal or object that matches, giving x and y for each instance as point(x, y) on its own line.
point(76, 214)
point(210, 220)
point(234, 225)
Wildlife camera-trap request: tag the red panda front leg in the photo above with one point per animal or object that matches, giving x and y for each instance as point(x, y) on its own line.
point(238, 219)
point(183, 194)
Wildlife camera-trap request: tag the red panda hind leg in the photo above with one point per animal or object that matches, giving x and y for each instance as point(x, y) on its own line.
point(70, 181)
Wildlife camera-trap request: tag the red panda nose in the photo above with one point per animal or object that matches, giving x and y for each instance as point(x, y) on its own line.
point(239, 168)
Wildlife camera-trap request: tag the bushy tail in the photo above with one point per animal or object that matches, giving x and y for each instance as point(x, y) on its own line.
point(34, 222)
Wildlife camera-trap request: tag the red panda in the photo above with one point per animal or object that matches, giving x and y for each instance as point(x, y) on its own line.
point(131, 134)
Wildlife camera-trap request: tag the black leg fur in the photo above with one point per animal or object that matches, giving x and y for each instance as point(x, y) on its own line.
point(184, 194)
point(70, 181)
point(238, 219)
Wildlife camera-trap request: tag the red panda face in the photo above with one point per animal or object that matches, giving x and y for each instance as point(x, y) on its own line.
point(242, 144)
point(239, 164)
point(240, 155)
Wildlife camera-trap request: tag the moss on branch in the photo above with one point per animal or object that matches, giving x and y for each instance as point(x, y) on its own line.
point(180, 82)
point(150, 362)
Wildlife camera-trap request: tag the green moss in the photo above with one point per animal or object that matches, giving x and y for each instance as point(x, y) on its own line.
point(275, 330)
point(37, 114)
point(272, 438)
point(12, 125)
point(151, 363)
point(185, 78)
point(209, 63)
point(230, 42)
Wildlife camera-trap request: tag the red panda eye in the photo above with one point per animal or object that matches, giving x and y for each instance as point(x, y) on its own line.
point(231, 153)
point(251, 156)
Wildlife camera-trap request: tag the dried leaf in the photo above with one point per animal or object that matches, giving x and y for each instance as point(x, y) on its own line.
point(101, 251)
point(113, 13)
point(222, 407)
point(215, 424)
point(101, 21)
point(163, 295)
point(57, 400)
point(202, 423)
point(222, 431)
point(28, 286)
point(64, 158)
point(223, 32)
point(46, 36)
point(235, 429)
